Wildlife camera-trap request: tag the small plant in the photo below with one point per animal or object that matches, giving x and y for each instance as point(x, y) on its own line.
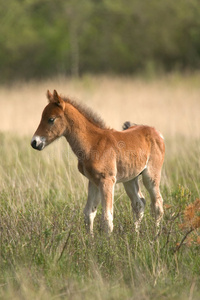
point(191, 223)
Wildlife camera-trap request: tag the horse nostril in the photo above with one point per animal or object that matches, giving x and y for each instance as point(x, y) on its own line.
point(38, 142)
point(34, 144)
point(40, 146)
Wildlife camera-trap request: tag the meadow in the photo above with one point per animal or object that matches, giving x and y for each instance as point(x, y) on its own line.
point(45, 252)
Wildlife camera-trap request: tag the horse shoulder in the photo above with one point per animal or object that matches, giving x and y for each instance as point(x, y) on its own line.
point(100, 162)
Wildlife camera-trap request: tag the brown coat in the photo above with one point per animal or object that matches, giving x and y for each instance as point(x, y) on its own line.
point(105, 157)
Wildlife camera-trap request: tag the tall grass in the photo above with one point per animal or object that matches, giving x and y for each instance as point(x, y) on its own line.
point(45, 252)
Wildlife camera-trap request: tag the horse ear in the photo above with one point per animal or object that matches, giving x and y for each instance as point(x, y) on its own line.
point(49, 96)
point(58, 100)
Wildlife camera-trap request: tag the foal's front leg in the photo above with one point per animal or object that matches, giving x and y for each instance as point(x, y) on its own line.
point(107, 196)
point(90, 209)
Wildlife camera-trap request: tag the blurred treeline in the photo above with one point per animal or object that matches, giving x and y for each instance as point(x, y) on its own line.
point(41, 38)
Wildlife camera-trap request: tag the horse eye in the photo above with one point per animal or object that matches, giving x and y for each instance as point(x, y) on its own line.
point(51, 120)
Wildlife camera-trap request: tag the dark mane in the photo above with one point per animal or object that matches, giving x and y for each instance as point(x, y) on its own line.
point(87, 112)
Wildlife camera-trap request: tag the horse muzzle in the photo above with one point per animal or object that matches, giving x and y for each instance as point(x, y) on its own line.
point(38, 142)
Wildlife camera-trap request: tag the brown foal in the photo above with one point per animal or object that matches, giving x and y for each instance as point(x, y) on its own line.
point(106, 157)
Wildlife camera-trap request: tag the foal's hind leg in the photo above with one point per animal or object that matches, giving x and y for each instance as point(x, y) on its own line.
point(90, 209)
point(137, 200)
point(151, 182)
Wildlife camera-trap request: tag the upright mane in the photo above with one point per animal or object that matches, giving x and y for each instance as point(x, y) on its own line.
point(88, 113)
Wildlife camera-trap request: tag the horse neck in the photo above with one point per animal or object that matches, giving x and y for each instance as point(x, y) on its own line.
point(81, 131)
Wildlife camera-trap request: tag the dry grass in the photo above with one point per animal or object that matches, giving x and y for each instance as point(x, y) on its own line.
point(42, 196)
point(171, 104)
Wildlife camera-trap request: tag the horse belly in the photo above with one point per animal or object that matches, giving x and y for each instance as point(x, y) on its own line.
point(128, 172)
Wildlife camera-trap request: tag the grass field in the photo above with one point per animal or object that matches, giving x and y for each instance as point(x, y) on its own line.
point(45, 252)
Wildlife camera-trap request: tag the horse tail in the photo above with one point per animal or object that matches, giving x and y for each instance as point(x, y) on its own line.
point(127, 124)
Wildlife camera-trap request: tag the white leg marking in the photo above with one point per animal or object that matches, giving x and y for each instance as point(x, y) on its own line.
point(107, 197)
point(90, 209)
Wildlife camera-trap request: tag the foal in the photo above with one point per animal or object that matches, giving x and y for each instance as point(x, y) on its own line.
point(106, 157)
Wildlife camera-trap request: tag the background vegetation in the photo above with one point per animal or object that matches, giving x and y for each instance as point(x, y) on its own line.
point(42, 38)
point(45, 252)
point(141, 48)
